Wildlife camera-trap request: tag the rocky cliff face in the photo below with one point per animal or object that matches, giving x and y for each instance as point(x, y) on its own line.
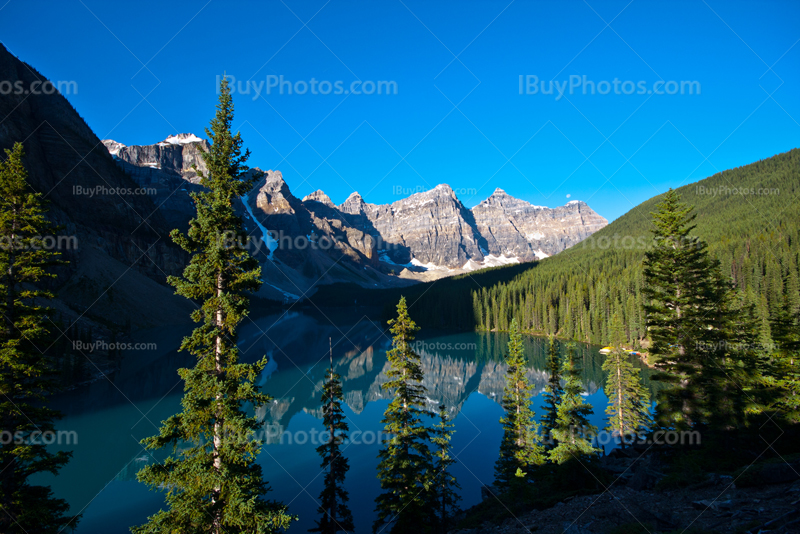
point(164, 171)
point(431, 227)
point(434, 228)
point(361, 242)
point(177, 154)
point(427, 234)
point(300, 243)
point(121, 251)
point(516, 228)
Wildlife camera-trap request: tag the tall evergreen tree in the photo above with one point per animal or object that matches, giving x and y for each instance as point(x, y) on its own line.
point(786, 361)
point(629, 400)
point(444, 485)
point(552, 394)
point(690, 320)
point(335, 514)
point(26, 374)
point(214, 484)
point(405, 459)
point(572, 430)
point(520, 446)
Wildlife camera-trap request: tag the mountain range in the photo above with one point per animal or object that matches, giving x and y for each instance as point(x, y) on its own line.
point(303, 242)
point(747, 215)
point(120, 202)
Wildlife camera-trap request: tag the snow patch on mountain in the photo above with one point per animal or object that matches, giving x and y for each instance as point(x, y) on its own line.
point(268, 240)
point(430, 266)
point(180, 139)
point(490, 261)
point(113, 147)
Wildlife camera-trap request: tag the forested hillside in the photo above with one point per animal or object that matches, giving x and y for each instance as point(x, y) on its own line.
point(754, 235)
point(748, 215)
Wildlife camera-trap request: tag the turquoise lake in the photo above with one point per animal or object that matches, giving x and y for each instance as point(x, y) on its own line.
point(465, 371)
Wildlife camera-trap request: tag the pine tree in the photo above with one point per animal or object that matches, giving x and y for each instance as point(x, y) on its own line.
point(572, 430)
point(520, 447)
point(786, 361)
point(26, 374)
point(552, 394)
point(335, 514)
point(444, 485)
point(405, 459)
point(214, 484)
point(629, 400)
point(690, 321)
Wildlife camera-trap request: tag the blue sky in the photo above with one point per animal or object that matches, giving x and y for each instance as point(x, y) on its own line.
point(149, 70)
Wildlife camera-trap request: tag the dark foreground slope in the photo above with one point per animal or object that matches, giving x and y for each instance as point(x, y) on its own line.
point(114, 237)
point(750, 216)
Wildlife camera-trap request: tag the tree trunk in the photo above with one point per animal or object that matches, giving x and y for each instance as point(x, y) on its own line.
point(218, 420)
point(332, 509)
point(619, 401)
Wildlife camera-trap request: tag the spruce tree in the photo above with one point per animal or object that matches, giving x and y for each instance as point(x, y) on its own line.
point(691, 320)
point(786, 361)
point(520, 446)
point(333, 509)
point(213, 484)
point(444, 485)
point(26, 373)
point(629, 400)
point(405, 459)
point(572, 430)
point(552, 394)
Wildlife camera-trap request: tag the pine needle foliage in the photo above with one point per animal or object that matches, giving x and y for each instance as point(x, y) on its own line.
point(444, 485)
point(692, 320)
point(26, 374)
point(552, 394)
point(520, 446)
point(335, 515)
point(629, 400)
point(572, 431)
point(405, 459)
point(785, 365)
point(212, 481)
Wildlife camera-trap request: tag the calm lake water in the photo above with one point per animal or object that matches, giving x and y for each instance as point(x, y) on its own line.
point(464, 371)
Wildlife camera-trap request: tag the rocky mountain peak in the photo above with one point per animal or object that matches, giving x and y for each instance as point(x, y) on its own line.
point(177, 155)
point(321, 197)
point(354, 205)
point(503, 200)
point(441, 194)
point(113, 147)
point(444, 189)
point(516, 227)
point(431, 229)
point(275, 177)
point(274, 196)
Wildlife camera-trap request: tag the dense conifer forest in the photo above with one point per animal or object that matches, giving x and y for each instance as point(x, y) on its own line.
point(744, 214)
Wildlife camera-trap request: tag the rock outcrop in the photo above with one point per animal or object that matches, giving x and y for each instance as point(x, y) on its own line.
point(177, 155)
point(425, 236)
point(432, 227)
point(165, 172)
point(517, 228)
point(121, 252)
